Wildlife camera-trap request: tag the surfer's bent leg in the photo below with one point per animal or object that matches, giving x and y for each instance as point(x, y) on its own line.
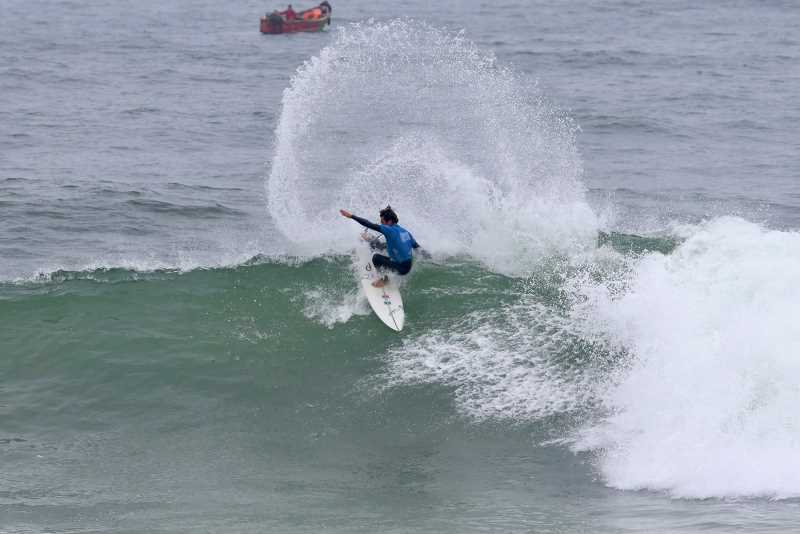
point(384, 263)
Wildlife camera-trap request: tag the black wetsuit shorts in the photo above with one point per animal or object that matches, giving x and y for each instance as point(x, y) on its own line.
point(382, 262)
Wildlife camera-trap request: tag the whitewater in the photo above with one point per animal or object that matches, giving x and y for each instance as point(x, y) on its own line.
point(509, 192)
point(690, 380)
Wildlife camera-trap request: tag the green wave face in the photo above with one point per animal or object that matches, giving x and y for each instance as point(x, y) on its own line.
point(113, 337)
point(109, 342)
point(131, 387)
point(118, 338)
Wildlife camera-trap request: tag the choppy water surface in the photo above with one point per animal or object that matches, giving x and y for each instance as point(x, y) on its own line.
point(603, 339)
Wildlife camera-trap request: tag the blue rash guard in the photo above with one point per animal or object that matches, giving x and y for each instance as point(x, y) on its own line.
point(399, 241)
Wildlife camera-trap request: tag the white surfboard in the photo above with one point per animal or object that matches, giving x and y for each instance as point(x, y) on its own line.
point(385, 301)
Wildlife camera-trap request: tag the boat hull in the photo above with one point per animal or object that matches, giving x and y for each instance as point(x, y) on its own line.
point(294, 26)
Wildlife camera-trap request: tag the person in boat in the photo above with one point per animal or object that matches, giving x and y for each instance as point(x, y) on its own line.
point(399, 243)
point(315, 13)
point(289, 14)
point(326, 10)
point(276, 20)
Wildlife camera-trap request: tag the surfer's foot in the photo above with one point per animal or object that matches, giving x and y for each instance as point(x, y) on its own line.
point(379, 283)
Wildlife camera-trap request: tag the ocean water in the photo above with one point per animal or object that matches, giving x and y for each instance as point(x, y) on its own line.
point(603, 339)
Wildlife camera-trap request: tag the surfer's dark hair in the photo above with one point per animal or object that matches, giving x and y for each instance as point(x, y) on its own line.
point(388, 214)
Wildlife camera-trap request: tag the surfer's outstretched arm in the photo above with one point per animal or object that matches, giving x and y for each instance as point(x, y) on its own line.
point(366, 223)
point(363, 222)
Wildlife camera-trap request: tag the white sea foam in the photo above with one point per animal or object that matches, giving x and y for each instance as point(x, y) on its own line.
point(472, 157)
point(331, 307)
point(703, 399)
point(502, 363)
point(707, 405)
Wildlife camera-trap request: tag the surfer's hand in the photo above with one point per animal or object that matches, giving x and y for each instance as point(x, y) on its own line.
point(346, 213)
point(365, 236)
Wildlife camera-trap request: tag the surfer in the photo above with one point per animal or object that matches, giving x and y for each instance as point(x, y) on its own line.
point(399, 243)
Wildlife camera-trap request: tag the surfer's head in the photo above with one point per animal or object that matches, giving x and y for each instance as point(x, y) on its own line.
point(388, 216)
